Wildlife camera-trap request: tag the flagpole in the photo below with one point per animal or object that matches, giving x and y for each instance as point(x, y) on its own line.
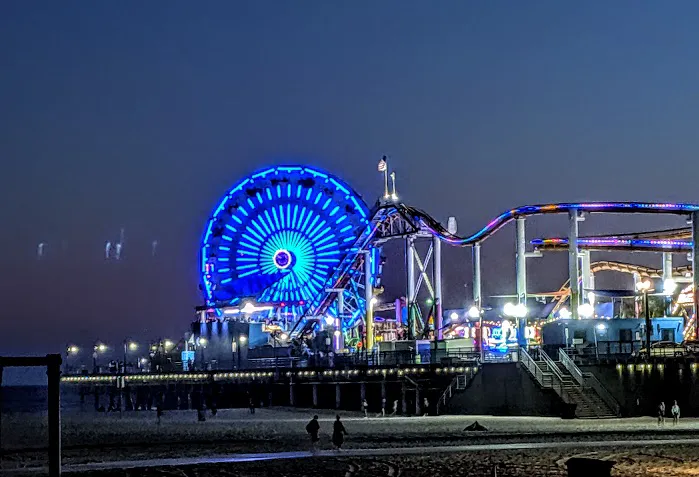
point(383, 167)
point(385, 183)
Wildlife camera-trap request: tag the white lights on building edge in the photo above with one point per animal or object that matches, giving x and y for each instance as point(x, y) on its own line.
point(474, 312)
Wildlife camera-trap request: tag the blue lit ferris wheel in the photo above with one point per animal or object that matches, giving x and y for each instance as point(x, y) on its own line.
point(278, 236)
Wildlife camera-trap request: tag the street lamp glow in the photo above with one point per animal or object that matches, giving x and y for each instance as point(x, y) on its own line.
point(586, 310)
point(520, 310)
point(601, 327)
point(144, 360)
point(591, 298)
point(73, 349)
point(283, 337)
point(133, 346)
point(167, 344)
point(429, 301)
point(101, 347)
point(203, 342)
point(564, 313)
point(474, 312)
point(243, 338)
point(644, 285)
point(516, 311)
point(669, 286)
point(454, 316)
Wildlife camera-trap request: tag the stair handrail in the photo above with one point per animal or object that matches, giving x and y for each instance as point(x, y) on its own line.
point(572, 368)
point(551, 364)
point(589, 380)
point(557, 383)
point(603, 393)
point(531, 366)
point(447, 394)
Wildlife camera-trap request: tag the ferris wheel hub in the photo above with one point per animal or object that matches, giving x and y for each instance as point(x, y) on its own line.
point(283, 259)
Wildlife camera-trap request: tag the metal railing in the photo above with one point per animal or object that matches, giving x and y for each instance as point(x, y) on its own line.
point(549, 380)
point(602, 392)
point(589, 380)
point(571, 367)
point(533, 368)
point(447, 394)
point(459, 383)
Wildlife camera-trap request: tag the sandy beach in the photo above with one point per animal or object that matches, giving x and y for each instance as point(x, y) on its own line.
point(89, 438)
point(671, 461)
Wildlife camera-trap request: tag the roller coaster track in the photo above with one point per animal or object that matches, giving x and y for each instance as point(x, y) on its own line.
point(644, 272)
point(614, 243)
point(400, 220)
point(503, 219)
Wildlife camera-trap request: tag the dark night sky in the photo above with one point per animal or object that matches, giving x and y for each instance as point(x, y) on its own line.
point(141, 114)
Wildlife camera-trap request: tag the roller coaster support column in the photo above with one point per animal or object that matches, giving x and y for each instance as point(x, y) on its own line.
point(667, 278)
point(573, 264)
point(477, 294)
point(410, 298)
point(477, 275)
point(587, 283)
point(521, 261)
point(369, 295)
point(437, 270)
point(521, 265)
point(695, 268)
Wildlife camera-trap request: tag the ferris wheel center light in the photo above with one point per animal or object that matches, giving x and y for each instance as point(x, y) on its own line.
point(282, 259)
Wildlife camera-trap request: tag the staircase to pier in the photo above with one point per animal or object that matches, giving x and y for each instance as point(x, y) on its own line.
point(572, 385)
point(457, 385)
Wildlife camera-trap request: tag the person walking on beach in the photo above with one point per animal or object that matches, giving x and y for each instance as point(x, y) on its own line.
point(313, 428)
point(661, 413)
point(395, 408)
point(251, 403)
point(675, 410)
point(426, 407)
point(365, 408)
point(339, 432)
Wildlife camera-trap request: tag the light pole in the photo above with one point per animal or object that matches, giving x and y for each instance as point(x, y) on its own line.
point(202, 343)
point(71, 350)
point(275, 340)
point(669, 287)
point(99, 348)
point(644, 287)
point(240, 341)
point(128, 346)
point(601, 327)
point(475, 312)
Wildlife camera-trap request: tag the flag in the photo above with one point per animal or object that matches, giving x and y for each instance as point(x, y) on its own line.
point(382, 164)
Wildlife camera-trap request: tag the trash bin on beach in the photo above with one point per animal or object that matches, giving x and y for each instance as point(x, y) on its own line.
point(584, 467)
point(568, 410)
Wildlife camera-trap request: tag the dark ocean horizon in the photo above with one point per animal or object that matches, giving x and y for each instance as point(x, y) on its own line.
point(33, 399)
